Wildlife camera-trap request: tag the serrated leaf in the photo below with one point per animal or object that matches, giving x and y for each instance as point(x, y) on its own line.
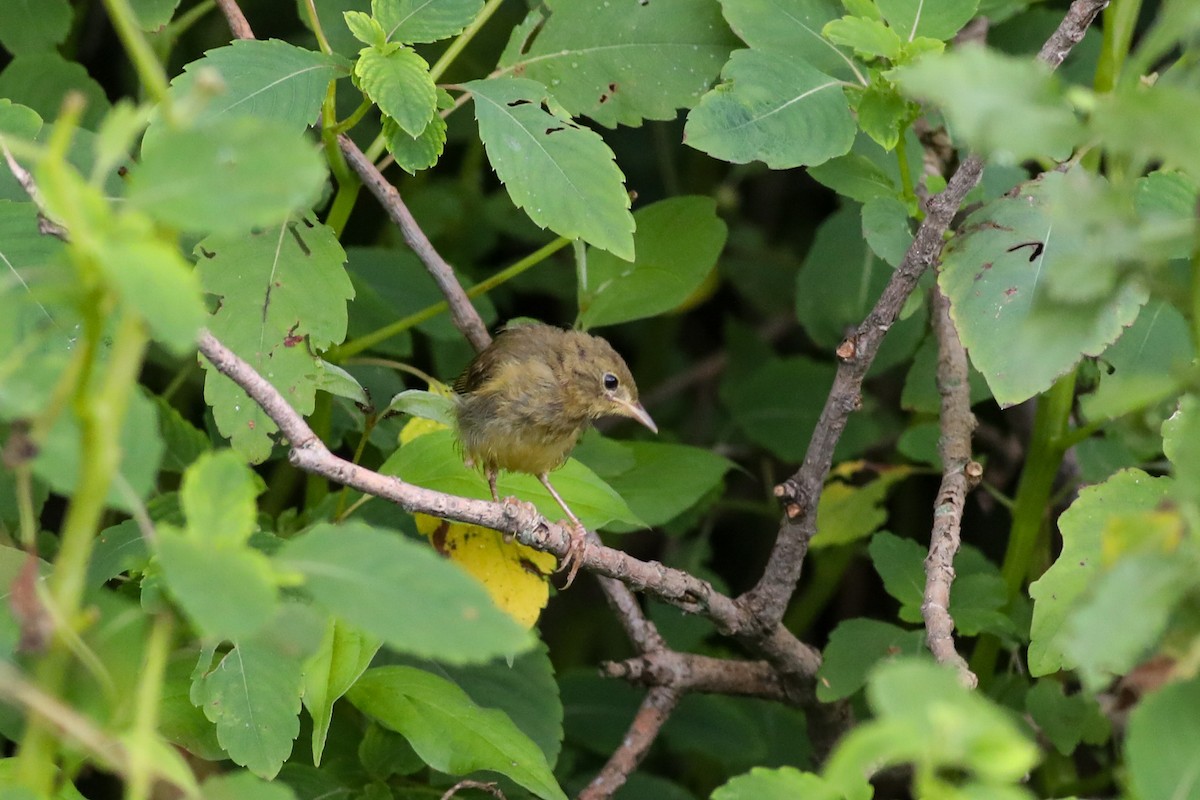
point(678, 241)
point(283, 297)
point(233, 174)
point(773, 109)
point(218, 497)
point(365, 28)
point(993, 274)
point(413, 21)
point(884, 115)
point(398, 81)
point(621, 63)
point(449, 731)
point(415, 153)
point(400, 591)
point(792, 28)
point(1065, 721)
point(1056, 593)
point(561, 174)
point(152, 15)
point(914, 18)
point(268, 79)
point(244, 786)
point(434, 461)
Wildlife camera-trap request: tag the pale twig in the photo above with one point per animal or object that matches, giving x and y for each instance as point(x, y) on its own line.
point(490, 787)
point(697, 673)
point(954, 447)
point(654, 712)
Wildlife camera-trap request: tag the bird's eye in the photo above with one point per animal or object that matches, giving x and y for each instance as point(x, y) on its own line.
point(610, 381)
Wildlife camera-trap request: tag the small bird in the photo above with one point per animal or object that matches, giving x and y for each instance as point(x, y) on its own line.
point(523, 402)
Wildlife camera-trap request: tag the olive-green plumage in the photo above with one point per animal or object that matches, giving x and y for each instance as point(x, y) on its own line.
point(524, 401)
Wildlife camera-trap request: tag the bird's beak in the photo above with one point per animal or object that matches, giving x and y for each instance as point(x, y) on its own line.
point(638, 412)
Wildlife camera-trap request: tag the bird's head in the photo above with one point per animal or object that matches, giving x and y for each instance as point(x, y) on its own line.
point(601, 380)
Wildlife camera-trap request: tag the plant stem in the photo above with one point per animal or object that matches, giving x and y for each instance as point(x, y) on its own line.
point(1120, 19)
point(149, 696)
point(366, 341)
point(464, 38)
point(314, 22)
point(101, 415)
point(150, 72)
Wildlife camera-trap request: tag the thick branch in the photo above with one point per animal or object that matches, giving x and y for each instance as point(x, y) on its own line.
point(696, 673)
point(656, 708)
point(799, 493)
point(954, 447)
point(236, 19)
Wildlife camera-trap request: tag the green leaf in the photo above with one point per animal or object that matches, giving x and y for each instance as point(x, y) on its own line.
point(867, 37)
point(1011, 109)
point(60, 455)
point(854, 648)
point(783, 783)
point(1066, 721)
point(434, 461)
point(525, 690)
point(777, 405)
point(900, 562)
point(415, 153)
point(243, 786)
point(1181, 439)
point(18, 121)
point(344, 655)
point(153, 14)
point(1162, 746)
point(426, 405)
point(227, 591)
point(856, 177)
point(218, 498)
point(365, 28)
point(623, 63)
point(283, 298)
point(884, 115)
point(1144, 123)
point(1146, 365)
point(920, 386)
point(913, 18)
point(402, 592)
point(887, 229)
point(792, 28)
point(233, 174)
point(268, 79)
point(184, 441)
point(182, 723)
point(678, 241)
point(42, 80)
point(398, 81)
point(33, 26)
point(840, 279)
point(412, 21)
point(994, 274)
point(449, 731)
point(850, 512)
point(774, 109)
point(1124, 614)
point(561, 174)
point(1056, 593)
point(661, 481)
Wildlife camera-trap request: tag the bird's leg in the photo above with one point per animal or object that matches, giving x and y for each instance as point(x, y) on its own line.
point(579, 535)
point(491, 479)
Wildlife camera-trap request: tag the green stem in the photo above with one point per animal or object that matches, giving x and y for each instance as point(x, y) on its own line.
point(101, 415)
point(369, 340)
point(464, 38)
point(1048, 444)
point(1120, 19)
point(149, 70)
point(142, 752)
point(314, 22)
point(180, 25)
point(352, 120)
point(347, 180)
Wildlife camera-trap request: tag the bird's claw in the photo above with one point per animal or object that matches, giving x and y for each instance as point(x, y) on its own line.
point(576, 552)
point(526, 514)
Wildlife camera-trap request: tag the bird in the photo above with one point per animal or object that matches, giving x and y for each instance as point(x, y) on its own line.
point(524, 400)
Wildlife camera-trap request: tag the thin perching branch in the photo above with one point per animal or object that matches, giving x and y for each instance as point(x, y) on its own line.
point(959, 475)
point(768, 599)
point(654, 712)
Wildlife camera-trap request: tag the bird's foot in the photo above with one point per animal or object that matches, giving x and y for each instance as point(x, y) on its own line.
point(526, 514)
point(576, 551)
